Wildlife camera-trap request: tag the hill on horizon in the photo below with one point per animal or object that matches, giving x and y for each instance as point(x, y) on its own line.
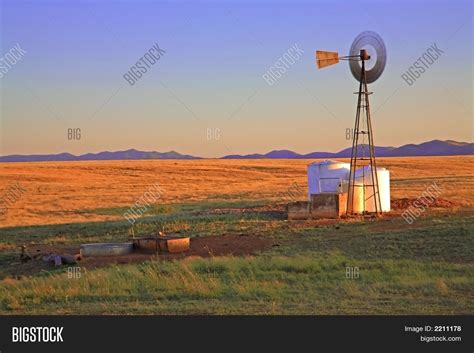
point(430, 148)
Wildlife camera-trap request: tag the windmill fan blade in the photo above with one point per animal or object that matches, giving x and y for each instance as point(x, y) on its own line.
point(326, 58)
point(377, 47)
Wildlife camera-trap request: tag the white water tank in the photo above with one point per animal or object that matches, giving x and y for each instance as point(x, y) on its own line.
point(363, 176)
point(327, 176)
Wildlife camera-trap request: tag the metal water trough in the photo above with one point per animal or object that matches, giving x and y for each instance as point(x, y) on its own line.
point(106, 249)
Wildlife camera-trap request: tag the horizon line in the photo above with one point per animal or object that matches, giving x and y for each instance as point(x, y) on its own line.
point(223, 156)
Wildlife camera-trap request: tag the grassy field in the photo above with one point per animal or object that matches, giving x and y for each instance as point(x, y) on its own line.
point(423, 268)
point(66, 192)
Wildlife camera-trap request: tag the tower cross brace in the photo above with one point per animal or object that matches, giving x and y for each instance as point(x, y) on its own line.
point(363, 152)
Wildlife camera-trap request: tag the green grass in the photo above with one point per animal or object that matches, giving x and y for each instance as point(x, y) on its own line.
point(425, 268)
point(119, 211)
point(191, 218)
point(257, 285)
point(448, 239)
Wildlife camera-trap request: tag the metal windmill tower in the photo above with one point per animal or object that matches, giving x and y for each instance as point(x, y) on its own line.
point(367, 48)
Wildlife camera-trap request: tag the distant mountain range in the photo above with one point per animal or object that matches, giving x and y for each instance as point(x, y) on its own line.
point(101, 156)
point(431, 148)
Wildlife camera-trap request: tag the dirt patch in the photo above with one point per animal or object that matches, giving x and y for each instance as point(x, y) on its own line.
point(279, 211)
point(226, 245)
point(404, 203)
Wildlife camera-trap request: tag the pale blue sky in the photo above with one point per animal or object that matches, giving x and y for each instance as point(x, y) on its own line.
point(211, 75)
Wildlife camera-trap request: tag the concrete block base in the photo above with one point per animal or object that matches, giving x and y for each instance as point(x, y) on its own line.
point(328, 205)
point(298, 210)
point(319, 206)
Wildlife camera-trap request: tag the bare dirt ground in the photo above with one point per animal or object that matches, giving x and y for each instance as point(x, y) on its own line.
point(66, 192)
point(210, 246)
point(226, 245)
point(404, 203)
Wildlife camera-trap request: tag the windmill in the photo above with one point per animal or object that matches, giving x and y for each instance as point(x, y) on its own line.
point(368, 48)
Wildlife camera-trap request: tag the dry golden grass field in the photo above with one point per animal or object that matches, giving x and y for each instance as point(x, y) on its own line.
point(245, 257)
point(66, 192)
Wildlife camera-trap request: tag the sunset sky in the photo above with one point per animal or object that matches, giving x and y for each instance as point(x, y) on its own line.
point(210, 77)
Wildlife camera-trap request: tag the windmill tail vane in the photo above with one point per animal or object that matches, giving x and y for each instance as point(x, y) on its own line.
point(328, 58)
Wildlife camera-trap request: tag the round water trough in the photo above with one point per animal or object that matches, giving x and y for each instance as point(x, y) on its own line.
point(106, 249)
point(169, 243)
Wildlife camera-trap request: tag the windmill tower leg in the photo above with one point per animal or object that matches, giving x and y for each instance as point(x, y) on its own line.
point(355, 143)
point(363, 153)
